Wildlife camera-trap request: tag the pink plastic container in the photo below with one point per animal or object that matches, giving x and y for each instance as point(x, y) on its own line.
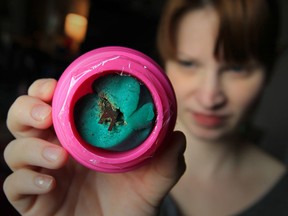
point(76, 81)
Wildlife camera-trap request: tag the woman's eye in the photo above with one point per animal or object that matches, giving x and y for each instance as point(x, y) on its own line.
point(187, 63)
point(237, 68)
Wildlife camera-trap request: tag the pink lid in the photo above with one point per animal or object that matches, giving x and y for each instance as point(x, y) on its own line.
point(76, 81)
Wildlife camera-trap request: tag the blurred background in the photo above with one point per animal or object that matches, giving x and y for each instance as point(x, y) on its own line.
point(41, 38)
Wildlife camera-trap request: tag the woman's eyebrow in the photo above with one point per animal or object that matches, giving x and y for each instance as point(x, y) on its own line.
point(185, 55)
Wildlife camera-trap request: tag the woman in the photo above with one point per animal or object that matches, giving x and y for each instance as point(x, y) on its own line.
point(218, 60)
point(215, 88)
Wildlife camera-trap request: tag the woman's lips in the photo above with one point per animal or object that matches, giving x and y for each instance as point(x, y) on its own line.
point(208, 120)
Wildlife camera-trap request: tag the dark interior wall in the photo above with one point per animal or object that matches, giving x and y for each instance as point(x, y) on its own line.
point(127, 23)
point(273, 112)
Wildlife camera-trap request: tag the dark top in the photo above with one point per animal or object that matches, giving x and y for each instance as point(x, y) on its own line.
point(274, 203)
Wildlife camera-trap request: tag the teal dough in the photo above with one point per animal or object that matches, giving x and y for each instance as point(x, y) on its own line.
point(132, 101)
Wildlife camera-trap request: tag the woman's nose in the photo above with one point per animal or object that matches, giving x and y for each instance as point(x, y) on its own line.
point(210, 94)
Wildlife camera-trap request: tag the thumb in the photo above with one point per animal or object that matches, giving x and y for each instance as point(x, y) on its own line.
point(170, 162)
point(165, 169)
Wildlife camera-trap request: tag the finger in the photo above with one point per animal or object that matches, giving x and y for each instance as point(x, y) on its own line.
point(27, 152)
point(25, 182)
point(28, 116)
point(43, 89)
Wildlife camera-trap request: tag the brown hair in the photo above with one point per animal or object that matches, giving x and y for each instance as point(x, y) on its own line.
point(248, 29)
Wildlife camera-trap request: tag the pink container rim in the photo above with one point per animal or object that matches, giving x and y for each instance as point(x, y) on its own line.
point(76, 81)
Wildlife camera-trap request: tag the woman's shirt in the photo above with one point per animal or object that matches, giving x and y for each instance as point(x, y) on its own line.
point(274, 203)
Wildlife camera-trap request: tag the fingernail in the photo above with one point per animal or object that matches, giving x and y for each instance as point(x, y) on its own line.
point(43, 182)
point(40, 112)
point(52, 153)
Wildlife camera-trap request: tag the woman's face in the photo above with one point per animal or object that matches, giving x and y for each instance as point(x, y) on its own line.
point(212, 95)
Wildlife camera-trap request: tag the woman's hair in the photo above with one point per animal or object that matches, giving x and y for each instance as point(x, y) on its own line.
point(248, 29)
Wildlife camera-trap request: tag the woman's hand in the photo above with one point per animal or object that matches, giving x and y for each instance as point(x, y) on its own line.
point(46, 181)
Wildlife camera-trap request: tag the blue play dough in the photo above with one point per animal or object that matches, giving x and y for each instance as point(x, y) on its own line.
point(136, 113)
